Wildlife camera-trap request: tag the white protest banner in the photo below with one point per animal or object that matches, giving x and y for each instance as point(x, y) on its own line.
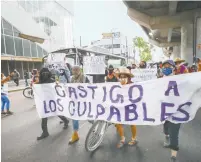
point(144, 74)
point(94, 65)
point(174, 98)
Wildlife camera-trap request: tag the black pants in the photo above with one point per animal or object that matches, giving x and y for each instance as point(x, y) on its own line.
point(44, 123)
point(16, 81)
point(172, 130)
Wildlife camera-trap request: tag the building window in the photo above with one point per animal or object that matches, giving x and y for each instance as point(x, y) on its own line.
point(16, 32)
point(18, 47)
point(34, 49)
point(9, 45)
point(2, 44)
point(26, 45)
point(40, 51)
point(7, 25)
point(8, 32)
point(116, 45)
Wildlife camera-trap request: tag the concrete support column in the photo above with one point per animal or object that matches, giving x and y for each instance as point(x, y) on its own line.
point(176, 52)
point(187, 42)
point(198, 41)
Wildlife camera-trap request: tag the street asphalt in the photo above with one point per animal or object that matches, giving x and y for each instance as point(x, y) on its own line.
point(19, 144)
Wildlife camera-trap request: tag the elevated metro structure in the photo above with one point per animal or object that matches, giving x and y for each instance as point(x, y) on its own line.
point(173, 25)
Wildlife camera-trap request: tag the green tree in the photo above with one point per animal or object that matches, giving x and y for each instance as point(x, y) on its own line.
point(144, 48)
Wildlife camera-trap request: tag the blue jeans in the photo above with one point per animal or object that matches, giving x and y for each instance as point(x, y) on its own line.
point(5, 102)
point(75, 125)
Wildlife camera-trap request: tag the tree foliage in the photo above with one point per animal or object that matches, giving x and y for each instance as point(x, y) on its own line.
point(144, 48)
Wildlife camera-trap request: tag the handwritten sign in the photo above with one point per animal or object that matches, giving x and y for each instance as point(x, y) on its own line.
point(174, 98)
point(144, 74)
point(94, 65)
point(55, 61)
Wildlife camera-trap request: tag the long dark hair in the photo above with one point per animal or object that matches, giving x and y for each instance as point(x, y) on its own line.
point(45, 75)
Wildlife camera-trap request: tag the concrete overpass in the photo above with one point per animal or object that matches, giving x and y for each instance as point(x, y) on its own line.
point(173, 25)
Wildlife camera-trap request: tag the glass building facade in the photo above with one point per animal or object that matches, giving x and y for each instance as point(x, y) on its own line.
point(49, 17)
point(12, 44)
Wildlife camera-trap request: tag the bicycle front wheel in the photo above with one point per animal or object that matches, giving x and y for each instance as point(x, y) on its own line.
point(95, 135)
point(28, 92)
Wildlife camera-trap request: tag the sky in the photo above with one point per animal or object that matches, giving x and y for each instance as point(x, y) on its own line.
point(92, 18)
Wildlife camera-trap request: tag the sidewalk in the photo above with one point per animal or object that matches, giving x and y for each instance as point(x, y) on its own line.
point(12, 86)
point(16, 88)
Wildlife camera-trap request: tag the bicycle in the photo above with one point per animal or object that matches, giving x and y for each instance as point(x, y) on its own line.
point(96, 134)
point(28, 92)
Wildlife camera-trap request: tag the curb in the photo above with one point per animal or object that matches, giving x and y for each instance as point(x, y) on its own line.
point(15, 90)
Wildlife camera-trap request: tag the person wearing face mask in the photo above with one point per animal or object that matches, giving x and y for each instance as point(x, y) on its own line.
point(78, 77)
point(125, 76)
point(180, 68)
point(64, 76)
point(44, 78)
point(111, 75)
point(143, 65)
point(171, 130)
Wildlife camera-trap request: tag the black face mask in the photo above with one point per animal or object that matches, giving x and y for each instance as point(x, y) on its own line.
point(45, 76)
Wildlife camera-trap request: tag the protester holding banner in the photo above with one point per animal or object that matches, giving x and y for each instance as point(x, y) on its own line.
point(125, 78)
point(44, 78)
point(64, 76)
point(171, 130)
point(111, 75)
point(78, 77)
point(180, 68)
point(5, 102)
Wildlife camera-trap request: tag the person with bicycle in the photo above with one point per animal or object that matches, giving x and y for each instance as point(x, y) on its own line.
point(125, 76)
